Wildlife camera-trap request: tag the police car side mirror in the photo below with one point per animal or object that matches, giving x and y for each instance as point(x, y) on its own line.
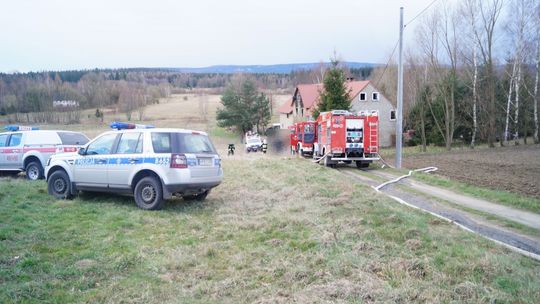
point(82, 151)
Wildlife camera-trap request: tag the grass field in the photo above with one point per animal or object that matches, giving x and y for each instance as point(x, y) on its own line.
point(268, 234)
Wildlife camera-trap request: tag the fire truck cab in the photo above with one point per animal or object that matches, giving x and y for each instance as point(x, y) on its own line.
point(305, 136)
point(347, 137)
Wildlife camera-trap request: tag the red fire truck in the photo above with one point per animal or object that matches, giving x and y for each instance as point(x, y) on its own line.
point(343, 136)
point(303, 137)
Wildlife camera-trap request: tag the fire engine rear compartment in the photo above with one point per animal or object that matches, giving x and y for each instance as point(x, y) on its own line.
point(345, 137)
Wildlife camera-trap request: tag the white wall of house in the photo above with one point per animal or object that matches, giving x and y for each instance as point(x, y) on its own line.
point(286, 120)
point(387, 121)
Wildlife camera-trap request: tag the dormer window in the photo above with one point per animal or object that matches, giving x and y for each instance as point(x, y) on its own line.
point(375, 96)
point(362, 96)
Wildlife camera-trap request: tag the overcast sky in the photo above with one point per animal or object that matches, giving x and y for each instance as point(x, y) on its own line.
point(41, 35)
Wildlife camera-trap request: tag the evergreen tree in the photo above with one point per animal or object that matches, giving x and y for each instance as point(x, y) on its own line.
point(335, 94)
point(244, 108)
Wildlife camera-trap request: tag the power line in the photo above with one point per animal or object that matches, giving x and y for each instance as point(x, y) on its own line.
point(397, 42)
point(387, 63)
point(423, 11)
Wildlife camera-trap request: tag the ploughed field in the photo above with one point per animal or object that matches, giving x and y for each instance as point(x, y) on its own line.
point(514, 168)
point(278, 230)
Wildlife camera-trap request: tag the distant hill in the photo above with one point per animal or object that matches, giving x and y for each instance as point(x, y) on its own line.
point(262, 69)
point(214, 69)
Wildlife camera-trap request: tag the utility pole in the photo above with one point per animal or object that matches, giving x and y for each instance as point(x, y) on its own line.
point(399, 122)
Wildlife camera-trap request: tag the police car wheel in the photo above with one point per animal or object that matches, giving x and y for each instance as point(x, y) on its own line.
point(149, 194)
point(58, 185)
point(34, 171)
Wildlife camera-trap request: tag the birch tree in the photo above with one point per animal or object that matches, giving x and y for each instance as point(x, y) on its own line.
point(521, 17)
point(474, 98)
point(484, 32)
point(520, 20)
point(509, 102)
point(470, 53)
point(537, 72)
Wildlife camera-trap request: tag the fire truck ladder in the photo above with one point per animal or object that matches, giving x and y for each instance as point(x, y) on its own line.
point(373, 137)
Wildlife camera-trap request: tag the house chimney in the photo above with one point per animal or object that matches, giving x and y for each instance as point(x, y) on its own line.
point(350, 78)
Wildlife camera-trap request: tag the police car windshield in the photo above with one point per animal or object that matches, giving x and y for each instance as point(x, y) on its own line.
point(254, 141)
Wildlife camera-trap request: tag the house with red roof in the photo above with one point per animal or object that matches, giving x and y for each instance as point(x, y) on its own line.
point(364, 98)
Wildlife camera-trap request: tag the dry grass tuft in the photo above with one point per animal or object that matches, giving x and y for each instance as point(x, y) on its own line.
point(413, 244)
point(342, 290)
point(85, 263)
point(467, 291)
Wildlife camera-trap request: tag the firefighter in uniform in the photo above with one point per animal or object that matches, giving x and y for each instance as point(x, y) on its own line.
point(230, 149)
point(264, 146)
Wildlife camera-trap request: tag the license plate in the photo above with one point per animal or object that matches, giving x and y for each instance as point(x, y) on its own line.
point(205, 161)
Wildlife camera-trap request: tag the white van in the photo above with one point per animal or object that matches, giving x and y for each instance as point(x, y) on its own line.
point(29, 150)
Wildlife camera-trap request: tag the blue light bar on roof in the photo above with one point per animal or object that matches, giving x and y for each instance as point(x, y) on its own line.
point(123, 126)
point(14, 128)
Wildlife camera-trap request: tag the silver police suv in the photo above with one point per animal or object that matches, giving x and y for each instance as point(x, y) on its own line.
point(152, 164)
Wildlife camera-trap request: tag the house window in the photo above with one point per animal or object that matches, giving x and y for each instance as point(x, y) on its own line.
point(362, 96)
point(393, 115)
point(375, 96)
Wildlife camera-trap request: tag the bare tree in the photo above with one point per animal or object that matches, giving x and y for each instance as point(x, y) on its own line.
point(141, 104)
point(317, 72)
point(416, 92)
point(521, 18)
point(475, 99)
point(484, 32)
point(511, 82)
point(537, 71)
point(470, 53)
point(535, 10)
point(131, 99)
point(438, 38)
point(449, 40)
